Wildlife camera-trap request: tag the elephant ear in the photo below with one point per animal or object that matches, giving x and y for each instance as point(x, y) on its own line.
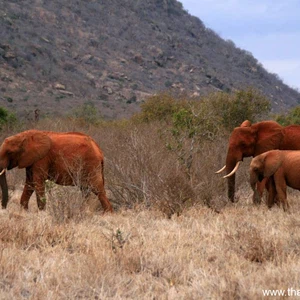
point(35, 146)
point(269, 137)
point(272, 162)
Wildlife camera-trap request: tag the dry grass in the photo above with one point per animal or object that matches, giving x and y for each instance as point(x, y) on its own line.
point(171, 237)
point(141, 254)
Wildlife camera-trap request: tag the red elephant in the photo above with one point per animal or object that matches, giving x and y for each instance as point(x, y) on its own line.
point(252, 140)
point(60, 157)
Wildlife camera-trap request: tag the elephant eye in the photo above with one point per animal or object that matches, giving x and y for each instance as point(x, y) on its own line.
point(244, 145)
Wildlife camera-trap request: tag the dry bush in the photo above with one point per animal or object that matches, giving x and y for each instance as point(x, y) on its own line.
point(139, 169)
point(64, 203)
point(254, 247)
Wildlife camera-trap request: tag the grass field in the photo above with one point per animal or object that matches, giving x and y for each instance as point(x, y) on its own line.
point(169, 238)
point(141, 254)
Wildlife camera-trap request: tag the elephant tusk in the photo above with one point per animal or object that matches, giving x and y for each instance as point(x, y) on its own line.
point(233, 171)
point(221, 170)
point(3, 171)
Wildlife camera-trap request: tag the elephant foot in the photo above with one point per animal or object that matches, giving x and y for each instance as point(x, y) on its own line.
point(108, 209)
point(286, 208)
point(24, 205)
point(256, 198)
point(234, 199)
point(41, 206)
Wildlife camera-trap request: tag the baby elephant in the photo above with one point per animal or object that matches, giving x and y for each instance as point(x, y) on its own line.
point(282, 167)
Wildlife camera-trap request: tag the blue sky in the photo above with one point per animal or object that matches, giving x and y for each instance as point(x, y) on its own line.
point(269, 29)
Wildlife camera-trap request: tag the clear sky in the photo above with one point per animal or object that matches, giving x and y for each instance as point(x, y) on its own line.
point(269, 29)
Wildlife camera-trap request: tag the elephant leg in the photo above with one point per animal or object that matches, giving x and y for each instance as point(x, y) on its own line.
point(281, 187)
point(39, 181)
point(40, 195)
point(28, 189)
point(260, 186)
point(99, 191)
point(104, 201)
point(270, 185)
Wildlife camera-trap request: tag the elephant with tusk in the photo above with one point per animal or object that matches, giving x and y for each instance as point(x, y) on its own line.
point(253, 139)
point(57, 156)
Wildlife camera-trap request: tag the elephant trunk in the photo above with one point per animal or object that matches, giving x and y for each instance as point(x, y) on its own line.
point(230, 165)
point(231, 187)
point(4, 189)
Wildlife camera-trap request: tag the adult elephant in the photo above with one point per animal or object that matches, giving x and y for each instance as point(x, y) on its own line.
point(69, 158)
point(252, 140)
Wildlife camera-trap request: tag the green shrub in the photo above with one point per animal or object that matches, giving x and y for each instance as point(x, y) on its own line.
point(187, 123)
point(239, 106)
point(6, 118)
point(159, 107)
point(87, 113)
point(191, 125)
point(292, 117)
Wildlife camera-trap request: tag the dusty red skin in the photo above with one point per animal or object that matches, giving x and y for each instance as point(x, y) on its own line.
point(59, 157)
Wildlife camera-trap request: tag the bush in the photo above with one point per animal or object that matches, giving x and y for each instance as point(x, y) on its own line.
point(228, 110)
point(6, 118)
point(87, 113)
point(187, 123)
point(292, 117)
point(191, 125)
point(141, 171)
point(239, 106)
point(159, 107)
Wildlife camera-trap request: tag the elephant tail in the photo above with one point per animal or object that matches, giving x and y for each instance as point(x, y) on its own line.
point(102, 170)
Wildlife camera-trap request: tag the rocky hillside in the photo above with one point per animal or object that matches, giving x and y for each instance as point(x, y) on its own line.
point(57, 55)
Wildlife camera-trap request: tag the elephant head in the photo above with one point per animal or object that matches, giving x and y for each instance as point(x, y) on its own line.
point(21, 150)
point(249, 140)
point(262, 166)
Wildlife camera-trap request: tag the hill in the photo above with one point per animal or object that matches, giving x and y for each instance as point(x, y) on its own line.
point(58, 55)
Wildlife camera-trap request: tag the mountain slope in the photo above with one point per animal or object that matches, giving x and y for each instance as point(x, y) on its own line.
point(57, 55)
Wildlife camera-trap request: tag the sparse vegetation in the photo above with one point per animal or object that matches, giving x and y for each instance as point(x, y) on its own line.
point(289, 118)
point(234, 108)
point(187, 123)
point(173, 234)
point(87, 114)
point(6, 118)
